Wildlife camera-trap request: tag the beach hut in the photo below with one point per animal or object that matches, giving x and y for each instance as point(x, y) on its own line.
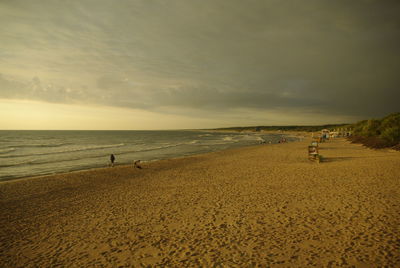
point(334, 134)
point(325, 133)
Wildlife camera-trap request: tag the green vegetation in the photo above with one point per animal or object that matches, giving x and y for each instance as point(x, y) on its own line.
point(373, 133)
point(378, 133)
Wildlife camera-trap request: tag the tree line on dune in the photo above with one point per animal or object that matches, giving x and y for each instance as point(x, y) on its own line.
point(378, 133)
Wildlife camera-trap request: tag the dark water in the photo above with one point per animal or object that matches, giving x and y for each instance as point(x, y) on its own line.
point(32, 153)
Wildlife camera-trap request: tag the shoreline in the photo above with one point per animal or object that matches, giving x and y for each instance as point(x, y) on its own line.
point(123, 166)
point(255, 205)
point(297, 135)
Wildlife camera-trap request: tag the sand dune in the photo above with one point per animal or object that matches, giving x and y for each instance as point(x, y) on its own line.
point(265, 205)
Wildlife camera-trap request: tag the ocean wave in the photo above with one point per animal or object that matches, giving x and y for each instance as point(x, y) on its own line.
point(16, 164)
point(80, 157)
point(48, 161)
point(261, 139)
point(38, 162)
point(151, 149)
point(205, 135)
point(39, 145)
point(87, 148)
point(7, 150)
point(248, 137)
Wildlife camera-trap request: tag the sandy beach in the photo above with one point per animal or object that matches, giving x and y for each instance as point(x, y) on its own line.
point(265, 205)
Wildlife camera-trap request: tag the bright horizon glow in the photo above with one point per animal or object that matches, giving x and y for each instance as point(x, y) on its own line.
point(37, 115)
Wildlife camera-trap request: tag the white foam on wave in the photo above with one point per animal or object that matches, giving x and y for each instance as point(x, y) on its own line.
point(7, 150)
point(71, 150)
point(204, 135)
point(40, 145)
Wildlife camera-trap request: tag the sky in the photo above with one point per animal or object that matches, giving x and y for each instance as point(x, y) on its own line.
point(176, 64)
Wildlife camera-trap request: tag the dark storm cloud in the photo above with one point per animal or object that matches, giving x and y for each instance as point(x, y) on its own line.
point(333, 57)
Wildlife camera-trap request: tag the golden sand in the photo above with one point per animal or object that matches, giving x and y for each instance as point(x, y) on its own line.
point(264, 205)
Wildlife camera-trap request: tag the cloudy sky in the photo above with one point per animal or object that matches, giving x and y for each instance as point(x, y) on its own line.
point(168, 64)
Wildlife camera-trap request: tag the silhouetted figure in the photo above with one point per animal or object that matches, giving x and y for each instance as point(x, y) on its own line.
point(112, 159)
point(137, 164)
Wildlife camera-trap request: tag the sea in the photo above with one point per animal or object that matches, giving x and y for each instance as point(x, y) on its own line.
point(32, 153)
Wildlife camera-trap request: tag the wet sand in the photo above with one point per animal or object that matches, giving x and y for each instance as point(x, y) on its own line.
point(265, 205)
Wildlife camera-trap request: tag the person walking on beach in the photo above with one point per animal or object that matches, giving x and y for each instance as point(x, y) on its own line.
point(112, 159)
point(136, 164)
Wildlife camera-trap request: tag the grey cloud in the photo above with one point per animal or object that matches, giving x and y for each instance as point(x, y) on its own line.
point(35, 89)
point(11, 89)
point(334, 57)
point(199, 96)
